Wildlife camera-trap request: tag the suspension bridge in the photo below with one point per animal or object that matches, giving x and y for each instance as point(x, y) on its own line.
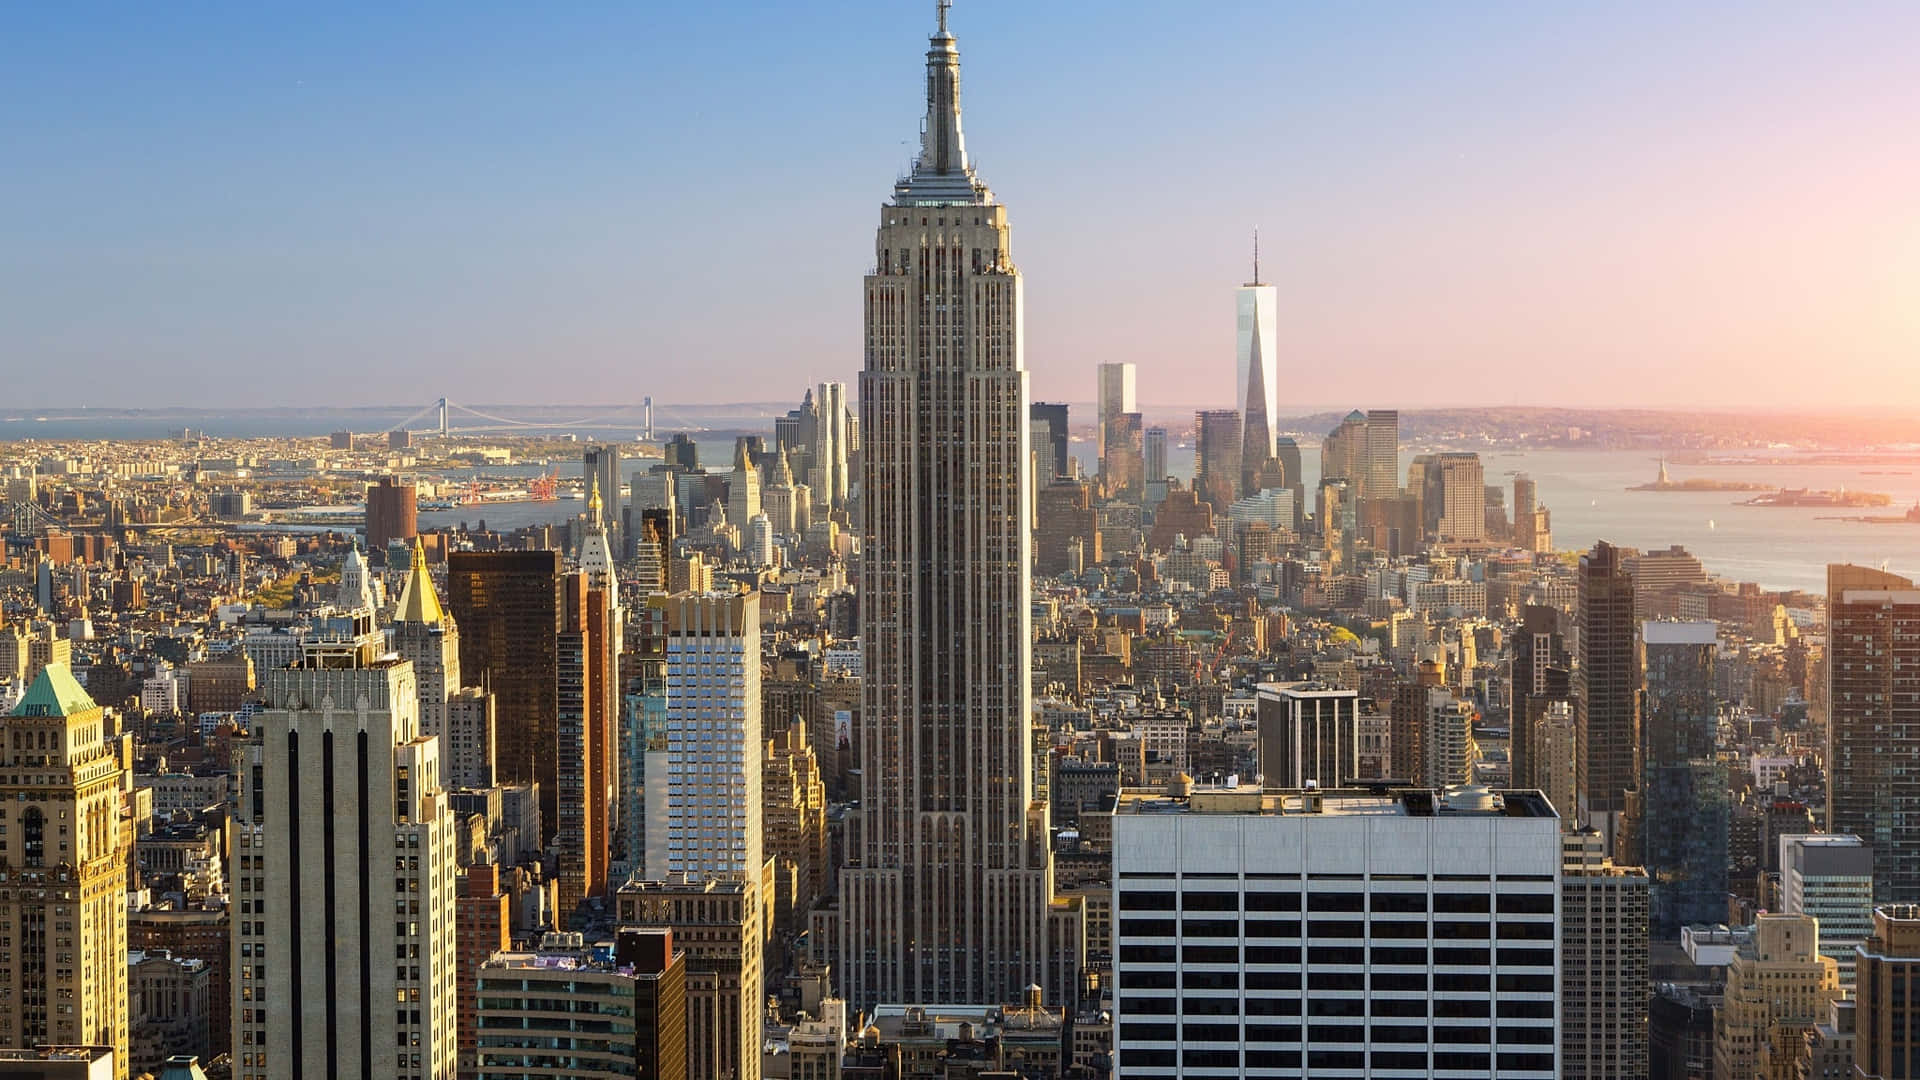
point(444, 412)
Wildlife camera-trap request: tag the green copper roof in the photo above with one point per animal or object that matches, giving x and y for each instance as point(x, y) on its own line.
point(54, 693)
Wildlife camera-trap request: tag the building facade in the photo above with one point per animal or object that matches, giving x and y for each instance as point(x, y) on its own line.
point(948, 877)
point(63, 902)
point(1309, 734)
point(1873, 721)
point(1887, 1012)
point(1603, 963)
point(704, 819)
point(507, 605)
point(586, 1013)
point(1336, 934)
point(1683, 812)
point(344, 946)
point(1606, 691)
point(1830, 878)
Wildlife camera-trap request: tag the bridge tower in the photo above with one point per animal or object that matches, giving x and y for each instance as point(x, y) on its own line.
point(443, 418)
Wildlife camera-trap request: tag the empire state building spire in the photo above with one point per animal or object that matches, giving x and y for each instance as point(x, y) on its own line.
point(942, 173)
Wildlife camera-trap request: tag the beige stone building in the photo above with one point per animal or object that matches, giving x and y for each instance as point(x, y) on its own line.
point(344, 946)
point(794, 825)
point(63, 957)
point(1779, 983)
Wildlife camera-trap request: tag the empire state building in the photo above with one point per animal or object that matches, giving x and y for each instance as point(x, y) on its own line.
point(949, 873)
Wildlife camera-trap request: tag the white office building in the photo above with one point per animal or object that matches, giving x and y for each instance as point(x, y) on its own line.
point(703, 793)
point(1830, 877)
point(1336, 934)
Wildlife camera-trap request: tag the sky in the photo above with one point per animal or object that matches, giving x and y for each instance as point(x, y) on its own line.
point(1639, 204)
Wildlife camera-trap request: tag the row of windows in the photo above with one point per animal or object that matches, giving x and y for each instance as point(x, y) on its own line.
point(1322, 1034)
point(1353, 981)
point(1319, 1062)
point(1381, 902)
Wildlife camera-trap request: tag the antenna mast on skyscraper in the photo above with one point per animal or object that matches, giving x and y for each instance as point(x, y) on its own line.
point(944, 6)
point(1256, 256)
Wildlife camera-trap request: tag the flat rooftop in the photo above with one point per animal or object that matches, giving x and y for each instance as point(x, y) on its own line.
point(1382, 801)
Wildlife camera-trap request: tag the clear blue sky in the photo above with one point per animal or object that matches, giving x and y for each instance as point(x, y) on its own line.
point(240, 204)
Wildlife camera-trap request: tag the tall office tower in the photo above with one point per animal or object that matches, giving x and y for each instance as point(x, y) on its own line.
point(1873, 722)
point(1309, 734)
point(392, 514)
point(1287, 453)
point(743, 489)
point(581, 835)
point(1381, 479)
point(758, 538)
point(656, 492)
point(1657, 574)
point(1679, 830)
point(1343, 454)
point(1603, 963)
point(1155, 454)
point(794, 813)
point(1256, 384)
point(1216, 476)
point(1114, 396)
point(1526, 498)
point(1553, 749)
point(1050, 442)
point(508, 605)
point(584, 1013)
point(828, 477)
point(1887, 1013)
point(1831, 879)
point(1123, 469)
point(1777, 980)
point(1406, 727)
point(949, 873)
point(1067, 518)
point(683, 452)
point(1455, 497)
point(1448, 751)
point(344, 968)
point(705, 819)
point(1540, 675)
point(462, 716)
point(1336, 933)
point(643, 731)
point(718, 923)
point(1606, 691)
point(600, 469)
point(483, 921)
point(355, 593)
point(63, 903)
point(776, 497)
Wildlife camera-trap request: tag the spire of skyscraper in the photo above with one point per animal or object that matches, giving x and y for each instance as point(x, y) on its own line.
point(942, 174)
point(418, 602)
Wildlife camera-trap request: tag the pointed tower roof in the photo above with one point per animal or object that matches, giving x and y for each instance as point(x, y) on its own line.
point(594, 504)
point(356, 591)
point(942, 174)
point(55, 692)
point(418, 602)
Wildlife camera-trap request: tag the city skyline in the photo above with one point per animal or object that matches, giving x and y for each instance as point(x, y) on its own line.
point(1484, 187)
